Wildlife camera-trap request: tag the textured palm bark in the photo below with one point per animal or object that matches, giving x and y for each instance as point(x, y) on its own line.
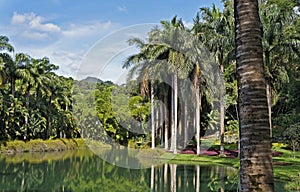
point(152, 118)
point(167, 122)
point(256, 170)
point(222, 118)
point(175, 114)
point(196, 83)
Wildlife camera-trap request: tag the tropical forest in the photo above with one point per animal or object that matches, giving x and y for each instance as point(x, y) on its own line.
point(212, 106)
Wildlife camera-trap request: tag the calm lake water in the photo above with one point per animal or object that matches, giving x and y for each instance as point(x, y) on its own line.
point(81, 170)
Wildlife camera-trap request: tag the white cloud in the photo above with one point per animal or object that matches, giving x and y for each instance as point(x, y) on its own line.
point(122, 9)
point(76, 30)
point(92, 48)
point(67, 48)
point(19, 19)
point(34, 35)
point(188, 24)
point(105, 59)
point(34, 22)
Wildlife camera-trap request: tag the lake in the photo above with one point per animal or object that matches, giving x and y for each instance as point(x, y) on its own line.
point(82, 170)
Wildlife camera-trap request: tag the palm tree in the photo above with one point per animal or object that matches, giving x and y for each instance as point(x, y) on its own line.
point(142, 64)
point(178, 48)
point(173, 52)
point(256, 170)
point(196, 82)
point(26, 75)
point(5, 48)
point(216, 31)
point(44, 82)
point(279, 43)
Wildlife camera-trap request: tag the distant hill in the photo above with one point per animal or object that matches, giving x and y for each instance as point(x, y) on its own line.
point(92, 80)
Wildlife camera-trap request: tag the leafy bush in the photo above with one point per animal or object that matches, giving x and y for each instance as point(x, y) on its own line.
point(291, 136)
point(293, 185)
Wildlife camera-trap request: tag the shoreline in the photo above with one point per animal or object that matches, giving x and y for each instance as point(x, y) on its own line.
point(286, 165)
point(39, 145)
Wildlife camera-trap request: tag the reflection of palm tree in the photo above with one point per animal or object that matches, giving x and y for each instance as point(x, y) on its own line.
point(152, 178)
point(198, 178)
point(173, 173)
point(256, 171)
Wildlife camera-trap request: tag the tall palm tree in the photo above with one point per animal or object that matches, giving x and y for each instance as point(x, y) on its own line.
point(26, 75)
point(216, 31)
point(279, 43)
point(256, 170)
point(44, 83)
point(5, 48)
point(142, 64)
point(178, 46)
point(172, 51)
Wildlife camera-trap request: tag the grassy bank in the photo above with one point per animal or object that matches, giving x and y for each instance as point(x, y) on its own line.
point(286, 166)
point(39, 145)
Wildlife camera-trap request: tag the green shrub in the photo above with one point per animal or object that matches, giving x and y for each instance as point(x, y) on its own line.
point(291, 136)
point(293, 185)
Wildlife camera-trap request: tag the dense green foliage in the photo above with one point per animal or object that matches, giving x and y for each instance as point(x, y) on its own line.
point(34, 101)
point(37, 103)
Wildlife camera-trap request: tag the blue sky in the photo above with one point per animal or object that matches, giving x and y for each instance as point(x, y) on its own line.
point(76, 33)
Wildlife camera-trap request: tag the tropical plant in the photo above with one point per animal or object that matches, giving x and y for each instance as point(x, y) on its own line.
point(256, 170)
point(216, 30)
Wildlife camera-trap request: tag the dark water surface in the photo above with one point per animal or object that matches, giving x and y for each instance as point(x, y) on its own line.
point(81, 170)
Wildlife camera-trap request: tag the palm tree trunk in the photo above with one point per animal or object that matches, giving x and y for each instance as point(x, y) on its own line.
point(256, 169)
point(157, 128)
point(172, 120)
point(198, 104)
point(13, 86)
point(222, 117)
point(161, 123)
point(269, 96)
point(196, 84)
point(27, 114)
point(185, 124)
point(175, 114)
point(152, 117)
point(167, 122)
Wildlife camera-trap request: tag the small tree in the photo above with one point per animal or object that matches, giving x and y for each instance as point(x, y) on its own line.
point(291, 136)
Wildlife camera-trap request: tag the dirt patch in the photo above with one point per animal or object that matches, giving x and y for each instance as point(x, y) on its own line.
point(282, 163)
point(215, 152)
point(277, 154)
point(211, 152)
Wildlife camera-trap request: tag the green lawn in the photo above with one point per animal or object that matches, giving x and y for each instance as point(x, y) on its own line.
point(286, 167)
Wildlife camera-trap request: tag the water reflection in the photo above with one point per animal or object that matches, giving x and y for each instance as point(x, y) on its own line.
point(83, 171)
point(181, 178)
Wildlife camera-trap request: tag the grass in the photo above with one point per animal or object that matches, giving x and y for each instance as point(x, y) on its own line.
point(207, 160)
point(286, 167)
point(39, 145)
